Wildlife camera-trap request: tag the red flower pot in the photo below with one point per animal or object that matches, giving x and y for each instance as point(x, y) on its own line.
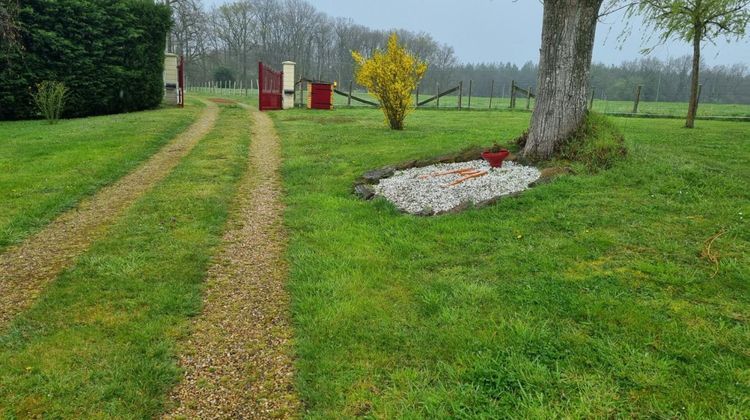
point(495, 159)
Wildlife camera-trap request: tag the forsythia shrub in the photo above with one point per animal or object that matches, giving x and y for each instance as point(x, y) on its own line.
point(391, 76)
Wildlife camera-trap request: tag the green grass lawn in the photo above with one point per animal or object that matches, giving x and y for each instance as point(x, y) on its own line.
point(587, 297)
point(100, 342)
point(46, 169)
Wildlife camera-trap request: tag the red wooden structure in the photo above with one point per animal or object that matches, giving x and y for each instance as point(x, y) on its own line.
point(320, 95)
point(181, 82)
point(269, 87)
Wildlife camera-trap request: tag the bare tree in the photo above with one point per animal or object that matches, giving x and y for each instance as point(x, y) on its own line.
point(235, 25)
point(240, 32)
point(8, 24)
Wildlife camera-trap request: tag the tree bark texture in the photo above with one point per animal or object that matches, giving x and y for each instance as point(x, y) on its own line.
point(694, 80)
point(568, 31)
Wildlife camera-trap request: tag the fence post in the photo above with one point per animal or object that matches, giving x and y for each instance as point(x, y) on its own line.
point(349, 99)
point(437, 89)
point(637, 99)
point(528, 97)
point(591, 102)
point(512, 94)
point(470, 84)
point(658, 88)
point(698, 98)
point(492, 91)
point(460, 93)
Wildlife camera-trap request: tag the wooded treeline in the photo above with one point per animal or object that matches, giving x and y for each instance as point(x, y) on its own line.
point(238, 34)
point(227, 41)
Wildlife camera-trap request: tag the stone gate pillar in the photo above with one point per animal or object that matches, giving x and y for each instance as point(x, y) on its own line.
point(288, 84)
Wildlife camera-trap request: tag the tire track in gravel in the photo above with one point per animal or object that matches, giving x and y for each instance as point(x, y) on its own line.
point(26, 269)
point(238, 361)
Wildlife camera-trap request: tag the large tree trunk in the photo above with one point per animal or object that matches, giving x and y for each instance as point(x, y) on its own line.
point(568, 31)
point(694, 80)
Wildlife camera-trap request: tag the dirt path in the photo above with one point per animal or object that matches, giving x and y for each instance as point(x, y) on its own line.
point(26, 269)
point(238, 361)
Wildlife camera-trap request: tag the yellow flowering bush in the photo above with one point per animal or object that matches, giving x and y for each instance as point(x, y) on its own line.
point(391, 76)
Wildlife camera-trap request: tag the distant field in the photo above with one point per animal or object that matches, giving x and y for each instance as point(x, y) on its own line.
point(662, 108)
point(677, 109)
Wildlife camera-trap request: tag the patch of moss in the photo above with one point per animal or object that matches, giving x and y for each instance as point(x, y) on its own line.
point(596, 145)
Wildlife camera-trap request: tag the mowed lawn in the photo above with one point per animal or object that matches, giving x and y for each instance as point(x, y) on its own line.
point(586, 297)
point(101, 341)
point(46, 169)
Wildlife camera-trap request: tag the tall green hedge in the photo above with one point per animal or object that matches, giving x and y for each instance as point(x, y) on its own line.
point(109, 53)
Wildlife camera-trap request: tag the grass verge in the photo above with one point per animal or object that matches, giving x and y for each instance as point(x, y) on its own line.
point(586, 297)
point(100, 341)
point(598, 144)
point(46, 169)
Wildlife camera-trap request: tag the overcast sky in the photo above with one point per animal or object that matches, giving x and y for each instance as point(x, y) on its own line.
point(504, 30)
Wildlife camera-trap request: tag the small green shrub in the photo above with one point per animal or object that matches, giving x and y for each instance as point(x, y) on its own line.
point(596, 145)
point(50, 99)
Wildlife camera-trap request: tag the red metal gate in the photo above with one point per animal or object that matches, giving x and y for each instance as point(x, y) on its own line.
point(269, 87)
point(181, 82)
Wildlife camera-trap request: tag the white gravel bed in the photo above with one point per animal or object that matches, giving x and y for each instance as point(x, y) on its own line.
point(432, 194)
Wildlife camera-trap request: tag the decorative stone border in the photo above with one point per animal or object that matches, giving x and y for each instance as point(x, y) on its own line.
point(363, 186)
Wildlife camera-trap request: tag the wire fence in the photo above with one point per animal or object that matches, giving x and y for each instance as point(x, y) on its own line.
point(458, 95)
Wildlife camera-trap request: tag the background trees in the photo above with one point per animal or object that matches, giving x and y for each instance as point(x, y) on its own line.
point(237, 34)
point(321, 45)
